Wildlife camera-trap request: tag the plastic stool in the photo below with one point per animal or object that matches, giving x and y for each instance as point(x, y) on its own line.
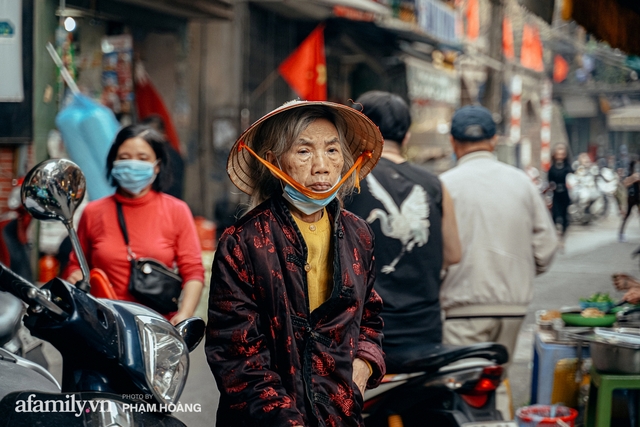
point(545, 358)
point(601, 394)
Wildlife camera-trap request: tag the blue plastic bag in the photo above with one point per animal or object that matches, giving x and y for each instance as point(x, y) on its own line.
point(88, 130)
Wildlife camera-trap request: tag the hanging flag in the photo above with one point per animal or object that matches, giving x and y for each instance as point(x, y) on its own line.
point(149, 102)
point(507, 39)
point(305, 70)
point(531, 54)
point(473, 19)
point(560, 69)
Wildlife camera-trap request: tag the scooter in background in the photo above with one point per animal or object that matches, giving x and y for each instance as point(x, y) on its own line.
point(589, 188)
point(449, 386)
point(123, 363)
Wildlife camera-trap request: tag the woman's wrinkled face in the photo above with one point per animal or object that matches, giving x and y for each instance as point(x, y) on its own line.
point(315, 159)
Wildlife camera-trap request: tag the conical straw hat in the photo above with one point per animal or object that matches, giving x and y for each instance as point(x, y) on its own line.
point(361, 135)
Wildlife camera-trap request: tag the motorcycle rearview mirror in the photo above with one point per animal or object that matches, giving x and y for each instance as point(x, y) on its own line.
point(192, 331)
point(52, 191)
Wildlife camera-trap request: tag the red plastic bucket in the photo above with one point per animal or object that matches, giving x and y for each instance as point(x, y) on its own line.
point(546, 415)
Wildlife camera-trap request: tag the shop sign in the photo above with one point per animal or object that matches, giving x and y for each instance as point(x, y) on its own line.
point(437, 19)
point(11, 85)
point(427, 83)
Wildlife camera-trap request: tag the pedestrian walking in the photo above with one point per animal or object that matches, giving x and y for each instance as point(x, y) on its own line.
point(294, 333)
point(159, 226)
point(507, 238)
point(412, 217)
point(621, 192)
point(557, 177)
point(632, 182)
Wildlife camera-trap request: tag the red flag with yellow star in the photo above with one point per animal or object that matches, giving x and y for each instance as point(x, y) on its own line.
point(305, 70)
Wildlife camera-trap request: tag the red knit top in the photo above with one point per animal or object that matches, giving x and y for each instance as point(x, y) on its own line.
point(159, 226)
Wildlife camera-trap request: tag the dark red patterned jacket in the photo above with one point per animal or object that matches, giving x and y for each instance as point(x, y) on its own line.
point(275, 363)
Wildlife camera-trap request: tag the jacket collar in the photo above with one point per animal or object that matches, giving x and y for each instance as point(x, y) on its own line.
point(483, 154)
point(281, 210)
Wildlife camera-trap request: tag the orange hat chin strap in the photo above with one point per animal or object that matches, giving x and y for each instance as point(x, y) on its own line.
point(301, 188)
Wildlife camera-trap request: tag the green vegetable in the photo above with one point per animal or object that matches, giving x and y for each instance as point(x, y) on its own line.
point(598, 297)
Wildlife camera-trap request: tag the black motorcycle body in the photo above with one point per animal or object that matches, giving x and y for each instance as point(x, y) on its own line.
point(445, 386)
point(105, 353)
point(123, 363)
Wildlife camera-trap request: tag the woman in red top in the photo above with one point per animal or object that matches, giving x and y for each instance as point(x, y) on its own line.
point(159, 225)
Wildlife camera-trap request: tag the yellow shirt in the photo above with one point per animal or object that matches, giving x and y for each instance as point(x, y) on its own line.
point(317, 236)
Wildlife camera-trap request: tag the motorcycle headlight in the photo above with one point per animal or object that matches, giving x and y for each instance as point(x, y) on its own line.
point(166, 358)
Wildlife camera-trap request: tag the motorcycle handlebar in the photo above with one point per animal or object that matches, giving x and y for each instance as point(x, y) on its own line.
point(27, 292)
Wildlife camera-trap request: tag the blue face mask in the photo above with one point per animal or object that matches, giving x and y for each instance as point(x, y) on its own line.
point(133, 175)
point(305, 204)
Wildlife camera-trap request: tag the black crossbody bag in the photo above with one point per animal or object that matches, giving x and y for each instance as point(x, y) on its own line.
point(152, 283)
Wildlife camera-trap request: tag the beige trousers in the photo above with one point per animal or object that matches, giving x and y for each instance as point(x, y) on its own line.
point(503, 330)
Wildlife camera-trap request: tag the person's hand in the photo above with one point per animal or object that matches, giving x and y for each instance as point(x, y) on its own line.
point(623, 282)
point(75, 277)
point(632, 296)
point(361, 374)
point(179, 317)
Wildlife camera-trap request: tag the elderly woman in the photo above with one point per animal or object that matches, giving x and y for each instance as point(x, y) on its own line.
point(294, 334)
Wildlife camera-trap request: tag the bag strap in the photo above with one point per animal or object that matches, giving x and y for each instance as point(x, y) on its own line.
point(123, 228)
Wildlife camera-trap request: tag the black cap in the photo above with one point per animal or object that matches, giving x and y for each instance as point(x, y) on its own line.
point(472, 123)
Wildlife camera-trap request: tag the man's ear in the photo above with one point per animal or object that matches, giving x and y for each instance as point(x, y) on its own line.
point(493, 141)
point(455, 146)
point(406, 139)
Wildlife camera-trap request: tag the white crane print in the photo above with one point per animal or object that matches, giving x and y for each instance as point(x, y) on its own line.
point(409, 224)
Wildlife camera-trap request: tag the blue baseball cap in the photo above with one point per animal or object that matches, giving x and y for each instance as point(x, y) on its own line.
point(472, 123)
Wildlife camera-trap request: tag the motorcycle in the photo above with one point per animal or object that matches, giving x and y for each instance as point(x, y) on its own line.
point(448, 386)
point(123, 363)
point(589, 189)
point(14, 337)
